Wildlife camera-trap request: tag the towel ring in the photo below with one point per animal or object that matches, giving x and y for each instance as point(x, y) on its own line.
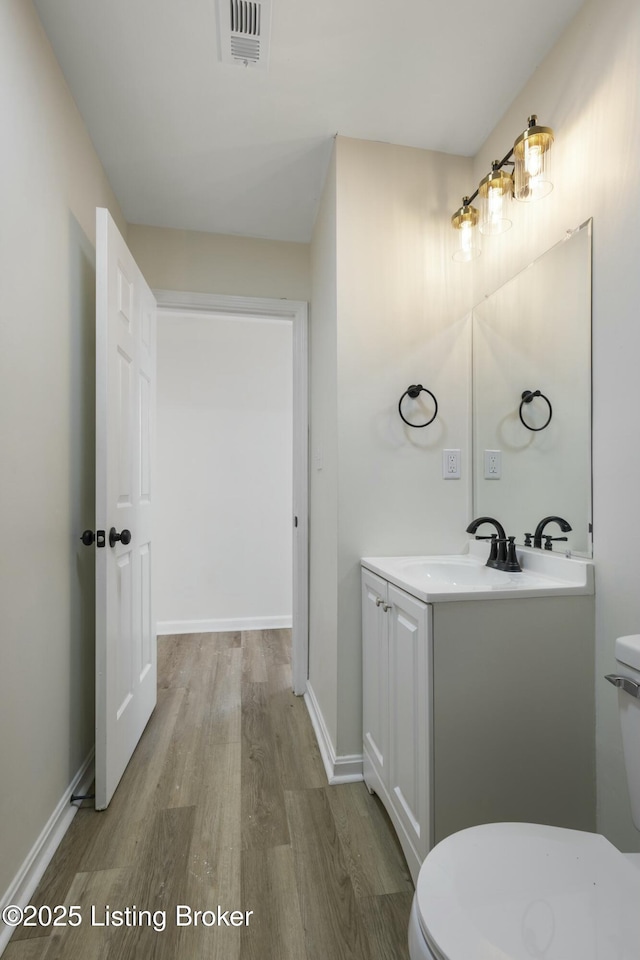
point(414, 391)
point(527, 397)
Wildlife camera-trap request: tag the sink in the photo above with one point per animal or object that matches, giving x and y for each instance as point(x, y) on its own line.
point(465, 576)
point(456, 570)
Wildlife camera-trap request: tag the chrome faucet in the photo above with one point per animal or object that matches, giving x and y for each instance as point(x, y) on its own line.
point(499, 557)
point(538, 535)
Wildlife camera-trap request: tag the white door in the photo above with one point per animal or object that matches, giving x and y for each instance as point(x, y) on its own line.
point(125, 414)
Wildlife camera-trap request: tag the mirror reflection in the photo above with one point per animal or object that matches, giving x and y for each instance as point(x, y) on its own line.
point(532, 400)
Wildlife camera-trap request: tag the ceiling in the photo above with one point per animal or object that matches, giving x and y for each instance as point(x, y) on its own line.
point(190, 142)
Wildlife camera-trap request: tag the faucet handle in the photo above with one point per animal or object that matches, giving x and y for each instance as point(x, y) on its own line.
point(549, 540)
point(511, 564)
point(527, 539)
point(493, 552)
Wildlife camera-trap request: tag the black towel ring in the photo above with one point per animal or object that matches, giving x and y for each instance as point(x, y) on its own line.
point(414, 391)
point(527, 397)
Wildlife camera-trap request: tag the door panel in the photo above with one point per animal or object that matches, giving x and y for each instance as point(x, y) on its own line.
point(375, 662)
point(410, 714)
point(125, 417)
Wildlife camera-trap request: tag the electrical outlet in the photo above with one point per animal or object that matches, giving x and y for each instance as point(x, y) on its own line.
point(492, 464)
point(451, 464)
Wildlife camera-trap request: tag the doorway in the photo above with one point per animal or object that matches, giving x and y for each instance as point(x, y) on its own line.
point(248, 358)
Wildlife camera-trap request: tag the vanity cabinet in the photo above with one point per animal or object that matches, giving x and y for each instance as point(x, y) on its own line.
point(477, 711)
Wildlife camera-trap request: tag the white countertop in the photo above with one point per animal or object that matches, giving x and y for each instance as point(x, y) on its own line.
point(465, 576)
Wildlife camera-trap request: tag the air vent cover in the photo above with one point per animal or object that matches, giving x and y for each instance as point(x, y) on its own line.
point(244, 28)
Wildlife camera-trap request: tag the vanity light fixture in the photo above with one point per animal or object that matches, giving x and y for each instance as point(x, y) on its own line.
point(530, 180)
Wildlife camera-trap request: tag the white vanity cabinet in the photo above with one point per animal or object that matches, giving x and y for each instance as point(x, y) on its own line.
point(477, 711)
point(397, 664)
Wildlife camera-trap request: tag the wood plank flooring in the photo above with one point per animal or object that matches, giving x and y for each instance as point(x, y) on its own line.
point(225, 803)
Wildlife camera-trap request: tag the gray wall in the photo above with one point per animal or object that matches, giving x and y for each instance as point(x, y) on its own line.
point(52, 182)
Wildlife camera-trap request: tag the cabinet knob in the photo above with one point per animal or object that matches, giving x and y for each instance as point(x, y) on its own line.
point(386, 606)
point(379, 600)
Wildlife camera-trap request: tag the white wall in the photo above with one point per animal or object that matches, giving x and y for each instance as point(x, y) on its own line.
point(393, 320)
point(323, 477)
point(587, 89)
point(224, 497)
point(216, 263)
point(400, 306)
point(51, 183)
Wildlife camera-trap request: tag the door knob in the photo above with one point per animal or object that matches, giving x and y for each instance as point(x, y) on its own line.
point(124, 537)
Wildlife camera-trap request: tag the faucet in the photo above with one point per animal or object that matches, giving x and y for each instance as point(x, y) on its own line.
point(537, 536)
point(498, 552)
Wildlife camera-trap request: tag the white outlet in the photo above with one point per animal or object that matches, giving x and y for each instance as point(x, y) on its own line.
point(492, 464)
point(451, 464)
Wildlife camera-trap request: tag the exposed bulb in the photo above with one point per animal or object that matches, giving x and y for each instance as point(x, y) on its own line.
point(466, 239)
point(494, 204)
point(533, 160)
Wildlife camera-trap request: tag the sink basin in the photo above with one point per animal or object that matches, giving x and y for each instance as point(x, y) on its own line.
point(466, 576)
point(458, 571)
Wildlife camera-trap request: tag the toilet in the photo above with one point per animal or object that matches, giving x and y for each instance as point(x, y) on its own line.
point(517, 891)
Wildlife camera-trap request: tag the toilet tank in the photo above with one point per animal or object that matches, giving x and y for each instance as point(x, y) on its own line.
point(628, 657)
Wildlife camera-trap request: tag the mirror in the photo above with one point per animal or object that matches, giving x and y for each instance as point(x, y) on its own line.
point(532, 397)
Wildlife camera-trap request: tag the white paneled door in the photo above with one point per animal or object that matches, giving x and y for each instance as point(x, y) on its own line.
point(125, 415)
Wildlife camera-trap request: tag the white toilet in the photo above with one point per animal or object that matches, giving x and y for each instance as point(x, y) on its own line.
point(517, 891)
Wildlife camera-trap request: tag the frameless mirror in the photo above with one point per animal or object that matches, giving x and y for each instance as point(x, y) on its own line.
point(532, 397)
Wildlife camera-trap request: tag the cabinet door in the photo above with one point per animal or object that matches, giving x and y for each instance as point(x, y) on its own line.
point(375, 670)
point(410, 659)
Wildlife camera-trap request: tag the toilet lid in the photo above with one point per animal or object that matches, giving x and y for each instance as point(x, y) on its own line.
point(517, 891)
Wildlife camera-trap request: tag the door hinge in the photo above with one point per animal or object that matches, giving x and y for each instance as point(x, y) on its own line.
point(295, 521)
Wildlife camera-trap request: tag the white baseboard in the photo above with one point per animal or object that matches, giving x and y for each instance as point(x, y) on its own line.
point(339, 769)
point(223, 626)
point(30, 873)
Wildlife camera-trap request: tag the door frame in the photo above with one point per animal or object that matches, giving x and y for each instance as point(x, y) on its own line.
point(297, 312)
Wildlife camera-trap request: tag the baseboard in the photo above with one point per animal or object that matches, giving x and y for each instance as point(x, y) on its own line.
point(30, 873)
point(339, 769)
point(165, 627)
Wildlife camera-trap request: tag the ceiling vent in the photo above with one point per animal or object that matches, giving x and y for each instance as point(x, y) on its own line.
point(244, 27)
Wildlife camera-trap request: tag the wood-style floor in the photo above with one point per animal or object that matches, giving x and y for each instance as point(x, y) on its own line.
point(225, 802)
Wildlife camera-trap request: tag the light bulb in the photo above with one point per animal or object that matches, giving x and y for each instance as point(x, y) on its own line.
point(466, 238)
point(531, 158)
point(494, 204)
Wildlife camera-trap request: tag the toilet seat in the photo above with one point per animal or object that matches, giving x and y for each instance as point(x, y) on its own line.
point(517, 891)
